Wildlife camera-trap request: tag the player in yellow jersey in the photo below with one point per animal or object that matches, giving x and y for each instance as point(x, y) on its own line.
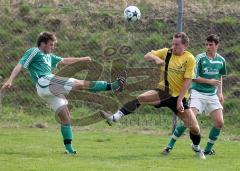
point(178, 66)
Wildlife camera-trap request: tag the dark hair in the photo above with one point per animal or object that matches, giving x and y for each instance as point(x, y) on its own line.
point(45, 37)
point(213, 38)
point(183, 36)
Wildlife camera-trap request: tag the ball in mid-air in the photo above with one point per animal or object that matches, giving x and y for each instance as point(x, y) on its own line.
point(132, 13)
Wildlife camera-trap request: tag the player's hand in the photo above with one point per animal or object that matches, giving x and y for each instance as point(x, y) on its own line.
point(180, 107)
point(214, 82)
point(7, 85)
point(159, 61)
point(87, 59)
point(221, 98)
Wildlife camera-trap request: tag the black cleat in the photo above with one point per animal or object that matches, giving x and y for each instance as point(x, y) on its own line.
point(166, 150)
point(71, 153)
point(121, 78)
point(211, 152)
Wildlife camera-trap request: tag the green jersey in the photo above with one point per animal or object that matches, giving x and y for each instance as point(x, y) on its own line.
point(209, 69)
point(38, 63)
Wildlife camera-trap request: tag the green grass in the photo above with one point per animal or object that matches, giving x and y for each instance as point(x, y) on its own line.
point(105, 149)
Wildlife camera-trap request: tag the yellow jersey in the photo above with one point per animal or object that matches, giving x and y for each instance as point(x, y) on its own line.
point(179, 68)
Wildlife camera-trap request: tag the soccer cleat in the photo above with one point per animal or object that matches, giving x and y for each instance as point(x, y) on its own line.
point(108, 117)
point(166, 150)
point(211, 152)
point(198, 152)
point(121, 78)
point(70, 153)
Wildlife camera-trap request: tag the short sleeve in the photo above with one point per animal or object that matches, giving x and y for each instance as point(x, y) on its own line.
point(197, 67)
point(189, 73)
point(28, 57)
point(55, 60)
point(223, 70)
point(162, 53)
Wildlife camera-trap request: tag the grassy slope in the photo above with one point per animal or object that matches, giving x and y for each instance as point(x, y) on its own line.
point(82, 30)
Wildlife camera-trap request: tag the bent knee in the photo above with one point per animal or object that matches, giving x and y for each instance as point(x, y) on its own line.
point(195, 129)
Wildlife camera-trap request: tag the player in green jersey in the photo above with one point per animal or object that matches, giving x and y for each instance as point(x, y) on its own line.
point(206, 96)
point(39, 62)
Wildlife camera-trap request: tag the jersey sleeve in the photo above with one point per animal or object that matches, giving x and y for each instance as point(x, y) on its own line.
point(189, 73)
point(223, 70)
point(162, 53)
point(28, 56)
point(55, 60)
point(197, 69)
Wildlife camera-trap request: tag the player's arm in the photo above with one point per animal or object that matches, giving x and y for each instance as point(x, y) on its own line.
point(186, 86)
point(150, 57)
point(212, 82)
point(197, 71)
point(219, 91)
point(188, 76)
point(71, 60)
point(13, 75)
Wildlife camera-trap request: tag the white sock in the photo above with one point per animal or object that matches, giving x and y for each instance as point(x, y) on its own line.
point(196, 147)
point(116, 116)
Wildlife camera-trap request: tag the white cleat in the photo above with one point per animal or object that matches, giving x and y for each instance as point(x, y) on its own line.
point(108, 117)
point(199, 152)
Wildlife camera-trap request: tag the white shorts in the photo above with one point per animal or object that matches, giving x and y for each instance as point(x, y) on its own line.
point(204, 103)
point(53, 90)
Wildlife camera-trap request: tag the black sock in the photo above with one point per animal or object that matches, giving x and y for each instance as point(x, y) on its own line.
point(108, 86)
point(67, 141)
point(130, 107)
point(195, 138)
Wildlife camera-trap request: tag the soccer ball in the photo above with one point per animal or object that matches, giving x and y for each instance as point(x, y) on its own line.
point(132, 13)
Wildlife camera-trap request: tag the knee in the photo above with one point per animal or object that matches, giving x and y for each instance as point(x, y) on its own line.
point(219, 124)
point(194, 129)
point(141, 98)
point(80, 85)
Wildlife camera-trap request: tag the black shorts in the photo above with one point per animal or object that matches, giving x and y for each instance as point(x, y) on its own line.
point(170, 101)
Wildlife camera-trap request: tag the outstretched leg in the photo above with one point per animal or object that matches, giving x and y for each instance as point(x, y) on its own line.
point(150, 97)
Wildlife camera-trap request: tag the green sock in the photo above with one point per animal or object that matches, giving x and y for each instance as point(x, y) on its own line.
point(213, 136)
point(67, 137)
point(179, 130)
point(98, 86)
point(103, 86)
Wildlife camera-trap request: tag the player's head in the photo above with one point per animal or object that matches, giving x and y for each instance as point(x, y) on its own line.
point(212, 43)
point(46, 41)
point(180, 43)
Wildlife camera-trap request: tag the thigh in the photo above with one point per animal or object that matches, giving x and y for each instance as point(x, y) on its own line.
point(189, 118)
point(149, 97)
point(212, 105)
point(61, 85)
point(54, 101)
point(197, 104)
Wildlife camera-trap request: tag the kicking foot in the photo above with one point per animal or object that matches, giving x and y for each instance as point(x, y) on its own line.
point(121, 78)
point(108, 117)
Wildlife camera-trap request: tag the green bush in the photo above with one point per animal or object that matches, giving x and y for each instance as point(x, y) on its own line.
point(24, 9)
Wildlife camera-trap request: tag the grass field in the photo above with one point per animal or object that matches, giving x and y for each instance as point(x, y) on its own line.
point(108, 149)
